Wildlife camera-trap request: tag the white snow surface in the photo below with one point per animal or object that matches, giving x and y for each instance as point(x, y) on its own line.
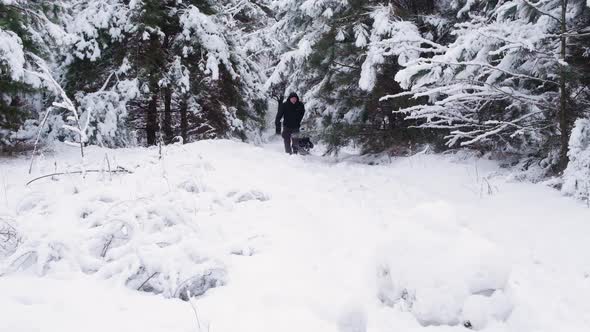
point(294, 243)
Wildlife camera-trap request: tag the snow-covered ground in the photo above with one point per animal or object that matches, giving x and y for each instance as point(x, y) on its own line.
point(287, 243)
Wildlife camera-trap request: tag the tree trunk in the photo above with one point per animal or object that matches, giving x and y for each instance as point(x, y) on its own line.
point(184, 120)
point(151, 127)
point(280, 99)
point(167, 122)
point(563, 116)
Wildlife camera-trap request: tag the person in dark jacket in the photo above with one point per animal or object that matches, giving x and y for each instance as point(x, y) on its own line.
point(291, 113)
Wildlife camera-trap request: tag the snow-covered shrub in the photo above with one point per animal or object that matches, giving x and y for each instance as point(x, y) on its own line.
point(576, 177)
point(138, 241)
point(106, 114)
point(9, 238)
point(155, 243)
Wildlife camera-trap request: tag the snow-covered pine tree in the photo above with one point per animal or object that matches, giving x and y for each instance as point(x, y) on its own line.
point(179, 68)
point(223, 53)
point(26, 31)
point(119, 47)
point(504, 81)
point(340, 56)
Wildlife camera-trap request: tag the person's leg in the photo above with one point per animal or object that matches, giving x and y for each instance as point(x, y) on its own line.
point(295, 142)
point(287, 140)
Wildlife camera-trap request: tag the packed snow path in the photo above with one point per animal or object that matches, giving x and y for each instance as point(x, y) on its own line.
point(296, 243)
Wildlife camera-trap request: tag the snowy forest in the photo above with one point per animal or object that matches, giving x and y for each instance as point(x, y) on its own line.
point(445, 186)
point(506, 77)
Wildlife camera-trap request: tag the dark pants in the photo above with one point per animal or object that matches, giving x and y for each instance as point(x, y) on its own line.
point(290, 141)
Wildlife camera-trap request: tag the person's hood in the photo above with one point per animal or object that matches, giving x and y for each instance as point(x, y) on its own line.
point(293, 94)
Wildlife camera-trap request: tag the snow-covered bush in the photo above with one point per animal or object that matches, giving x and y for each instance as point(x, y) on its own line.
point(105, 111)
point(576, 177)
point(160, 242)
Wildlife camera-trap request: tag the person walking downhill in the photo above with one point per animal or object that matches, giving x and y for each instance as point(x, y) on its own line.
point(291, 113)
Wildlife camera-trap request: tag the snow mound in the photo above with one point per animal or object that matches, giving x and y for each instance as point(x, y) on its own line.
point(293, 243)
point(446, 276)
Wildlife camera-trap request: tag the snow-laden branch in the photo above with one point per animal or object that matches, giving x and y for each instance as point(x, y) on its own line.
point(65, 103)
point(541, 11)
point(485, 65)
point(496, 82)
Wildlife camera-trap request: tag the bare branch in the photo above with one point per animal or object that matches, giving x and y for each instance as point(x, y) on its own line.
point(542, 11)
point(39, 137)
point(345, 65)
point(148, 279)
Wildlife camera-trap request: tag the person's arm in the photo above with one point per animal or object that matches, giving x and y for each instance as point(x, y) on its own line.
point(278, 119)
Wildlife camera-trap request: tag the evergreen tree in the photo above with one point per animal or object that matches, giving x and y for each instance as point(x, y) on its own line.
point(505, 82)
point(507, 76)
point(26, 31)
point(343, 55)
point(185, 66)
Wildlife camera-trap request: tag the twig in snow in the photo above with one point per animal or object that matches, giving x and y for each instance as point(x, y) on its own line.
point(54, 168)
point(490, 189)
point(9, 239)
point(106, 156)
point(148, 279)
point(39, 137)
point(119, 170)
point(107, 246)
point(188, 294)
point(27, 254)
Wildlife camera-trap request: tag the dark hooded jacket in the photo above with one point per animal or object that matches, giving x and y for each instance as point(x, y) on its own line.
point(290, 113)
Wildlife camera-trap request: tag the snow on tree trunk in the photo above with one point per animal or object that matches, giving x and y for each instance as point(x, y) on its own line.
point(576, 177)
